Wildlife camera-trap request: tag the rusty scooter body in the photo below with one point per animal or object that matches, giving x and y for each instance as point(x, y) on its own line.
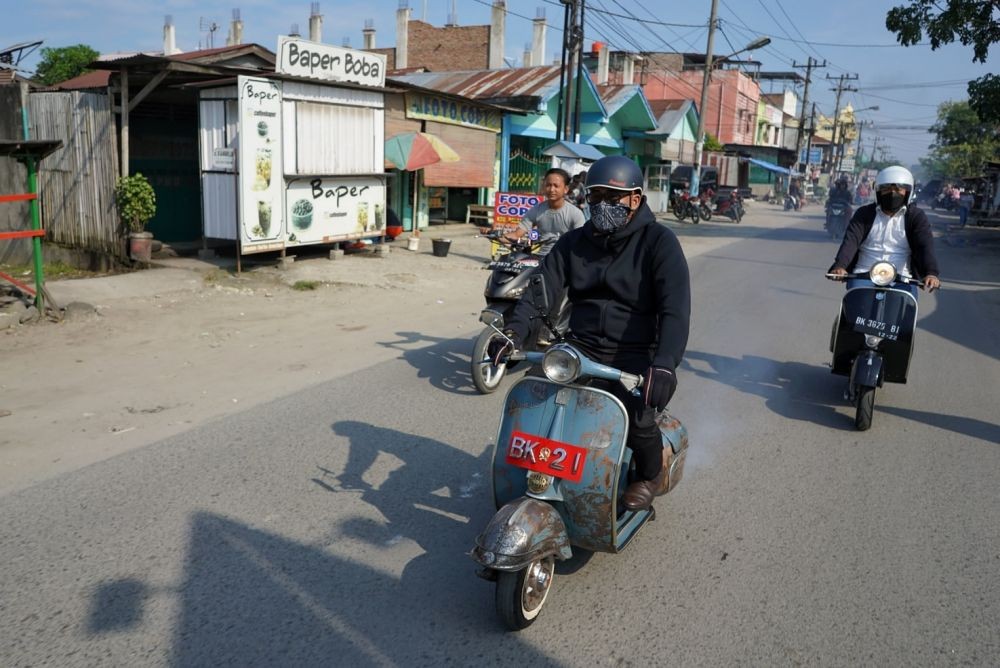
point(560, 466)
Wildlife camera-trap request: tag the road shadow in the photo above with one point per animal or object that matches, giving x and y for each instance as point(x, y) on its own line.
point(445, 363)
point(985, 431)
point(251, 596)
point(793, 390)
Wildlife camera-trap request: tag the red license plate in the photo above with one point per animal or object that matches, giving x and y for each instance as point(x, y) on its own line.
point(544, 455)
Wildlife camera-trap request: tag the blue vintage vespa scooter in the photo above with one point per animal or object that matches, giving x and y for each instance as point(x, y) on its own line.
point(560, 466)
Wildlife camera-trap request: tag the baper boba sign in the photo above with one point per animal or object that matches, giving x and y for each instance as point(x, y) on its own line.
point(509, 208)
point(302, 58)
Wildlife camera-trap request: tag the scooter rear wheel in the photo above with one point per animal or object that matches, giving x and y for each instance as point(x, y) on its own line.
point(485, 376)
point(693, 212)
point(520, 595)
point(865, 408)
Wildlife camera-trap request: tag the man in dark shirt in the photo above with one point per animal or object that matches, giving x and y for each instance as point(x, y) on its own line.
point(627, 281)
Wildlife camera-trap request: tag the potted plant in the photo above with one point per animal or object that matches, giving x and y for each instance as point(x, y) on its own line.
point(136, 205)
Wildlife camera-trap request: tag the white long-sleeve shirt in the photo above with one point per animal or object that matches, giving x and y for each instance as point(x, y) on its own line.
point(886, 241)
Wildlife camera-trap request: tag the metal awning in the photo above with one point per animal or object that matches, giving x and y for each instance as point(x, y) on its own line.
point(569, 149)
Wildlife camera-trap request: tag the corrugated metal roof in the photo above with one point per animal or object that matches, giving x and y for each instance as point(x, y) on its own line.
point(518, 82)
point(668, 114)
point(96, 79)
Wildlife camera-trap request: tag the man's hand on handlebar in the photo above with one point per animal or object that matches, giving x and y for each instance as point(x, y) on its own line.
point(931, 283)
point(837, 274)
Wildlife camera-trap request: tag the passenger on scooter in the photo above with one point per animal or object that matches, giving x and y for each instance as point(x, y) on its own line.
point(553, 216)
point(891, 229)
point(628, 284)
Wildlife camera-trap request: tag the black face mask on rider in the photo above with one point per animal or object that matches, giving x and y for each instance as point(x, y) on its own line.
point(891, 197)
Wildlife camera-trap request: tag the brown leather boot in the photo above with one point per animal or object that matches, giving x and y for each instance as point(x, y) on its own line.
point(640, 494)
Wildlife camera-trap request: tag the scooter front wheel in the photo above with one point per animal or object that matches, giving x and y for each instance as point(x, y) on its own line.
point(485, 376)
point(865, 408)
point(520, 595)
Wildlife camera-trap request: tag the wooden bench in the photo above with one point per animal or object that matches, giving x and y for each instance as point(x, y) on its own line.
point(479, 214)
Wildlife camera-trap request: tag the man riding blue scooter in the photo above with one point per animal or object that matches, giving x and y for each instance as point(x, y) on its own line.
point(627, 281)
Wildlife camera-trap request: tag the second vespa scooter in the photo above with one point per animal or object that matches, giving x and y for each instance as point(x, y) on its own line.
point(872, 340)
point(560, 466)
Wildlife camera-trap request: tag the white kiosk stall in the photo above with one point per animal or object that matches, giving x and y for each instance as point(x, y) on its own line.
point(296, 157)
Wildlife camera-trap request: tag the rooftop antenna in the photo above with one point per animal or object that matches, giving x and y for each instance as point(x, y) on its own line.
point(210, 27)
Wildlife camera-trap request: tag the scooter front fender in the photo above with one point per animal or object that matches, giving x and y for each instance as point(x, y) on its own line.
point(521, 532)
point(867, 370)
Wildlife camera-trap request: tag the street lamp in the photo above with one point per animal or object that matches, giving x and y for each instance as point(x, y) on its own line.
point(699, 137)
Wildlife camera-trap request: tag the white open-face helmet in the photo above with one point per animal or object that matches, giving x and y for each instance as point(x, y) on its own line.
point(896, 174)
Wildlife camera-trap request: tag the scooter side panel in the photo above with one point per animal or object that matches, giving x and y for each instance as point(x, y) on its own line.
point(589, 418)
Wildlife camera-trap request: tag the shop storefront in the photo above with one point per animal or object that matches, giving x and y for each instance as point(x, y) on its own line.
point(446, 188)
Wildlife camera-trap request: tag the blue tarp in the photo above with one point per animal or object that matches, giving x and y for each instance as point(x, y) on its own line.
point(770, 165)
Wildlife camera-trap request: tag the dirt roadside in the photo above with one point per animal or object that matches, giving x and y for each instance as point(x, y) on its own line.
point(183, 343)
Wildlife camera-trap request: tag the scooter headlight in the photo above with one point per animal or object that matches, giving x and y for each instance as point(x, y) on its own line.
point(883, 273)
point(872, 341)
point(561, 364)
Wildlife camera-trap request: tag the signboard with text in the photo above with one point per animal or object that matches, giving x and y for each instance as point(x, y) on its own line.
point(259, 160)
point(430, 107)
point(334, 208)
point(302, 58)
point(509, 208)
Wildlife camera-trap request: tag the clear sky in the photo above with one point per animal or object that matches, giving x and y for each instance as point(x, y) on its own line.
point(906, 84)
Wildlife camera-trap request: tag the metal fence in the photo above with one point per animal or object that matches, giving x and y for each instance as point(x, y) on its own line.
point(526, 172)
point(76, 183)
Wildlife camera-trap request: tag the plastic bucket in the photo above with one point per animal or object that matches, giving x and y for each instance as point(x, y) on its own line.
point(441, 247)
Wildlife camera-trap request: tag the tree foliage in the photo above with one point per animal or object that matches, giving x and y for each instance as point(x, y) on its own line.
point(963, 143)
point(711, 143)
point(972, 22)
point(62, 63)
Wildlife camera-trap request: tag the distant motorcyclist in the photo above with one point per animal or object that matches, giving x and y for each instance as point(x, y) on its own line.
point(552, 217)
point(840, 193)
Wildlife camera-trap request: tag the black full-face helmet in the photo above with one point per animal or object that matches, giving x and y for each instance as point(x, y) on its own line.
point(615, 171)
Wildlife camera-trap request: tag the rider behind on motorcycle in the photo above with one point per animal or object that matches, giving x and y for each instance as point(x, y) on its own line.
point(552, 217)
point(840, 193)
point(891, 229)
point(628, 284)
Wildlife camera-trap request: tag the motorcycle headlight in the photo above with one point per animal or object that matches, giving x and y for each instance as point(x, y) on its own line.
point(516, 293)
point(561, 364)
point(883, 273)
point(873, 341)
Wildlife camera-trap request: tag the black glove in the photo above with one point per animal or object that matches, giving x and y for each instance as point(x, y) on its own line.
point(658, 387)
point(499, 349)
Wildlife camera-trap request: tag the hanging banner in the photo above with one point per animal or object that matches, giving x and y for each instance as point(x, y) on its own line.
point(301, 58)
point(259, 159)
point(335, 208)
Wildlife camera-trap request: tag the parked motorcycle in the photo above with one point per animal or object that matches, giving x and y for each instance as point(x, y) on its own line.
point(838, 214)
point(730, 204)
point(684, 206)
point(560, 466)
point(509, 275)
point(872, 340)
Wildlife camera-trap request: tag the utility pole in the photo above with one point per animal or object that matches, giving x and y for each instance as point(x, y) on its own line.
point(572, 60)
point(811, 64)
point(812, 130)
point(840, 88)
point(699, 138)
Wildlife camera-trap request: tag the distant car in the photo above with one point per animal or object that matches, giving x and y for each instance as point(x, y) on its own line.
point(680, 178)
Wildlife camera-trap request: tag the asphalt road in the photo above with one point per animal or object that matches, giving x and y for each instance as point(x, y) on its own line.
point(329, 527)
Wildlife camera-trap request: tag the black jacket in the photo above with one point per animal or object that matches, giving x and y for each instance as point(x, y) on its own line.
point(630, 293)
point(918, 235)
